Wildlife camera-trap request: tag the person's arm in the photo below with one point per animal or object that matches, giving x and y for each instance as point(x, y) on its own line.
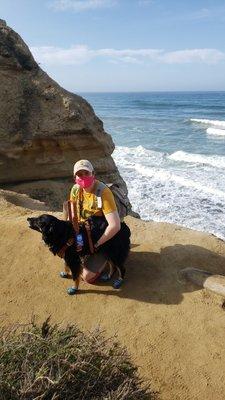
point(113, 227)
point(65, 211)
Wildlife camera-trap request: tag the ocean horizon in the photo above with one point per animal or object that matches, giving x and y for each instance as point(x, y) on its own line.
point(88, 94)
point(170, 150)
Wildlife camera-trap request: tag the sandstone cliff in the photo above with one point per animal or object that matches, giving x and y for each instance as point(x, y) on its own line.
point(44, 129)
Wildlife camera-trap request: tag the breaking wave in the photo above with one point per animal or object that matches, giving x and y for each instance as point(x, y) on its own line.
point(209, 122)
point(215, 131)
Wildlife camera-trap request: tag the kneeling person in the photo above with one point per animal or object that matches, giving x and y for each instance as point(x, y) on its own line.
point(84, 194)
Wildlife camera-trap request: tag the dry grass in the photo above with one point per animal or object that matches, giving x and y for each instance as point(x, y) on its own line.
point(50, 363)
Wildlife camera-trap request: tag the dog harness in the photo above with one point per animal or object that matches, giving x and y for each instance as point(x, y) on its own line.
point(61, 252)
point(72, 211)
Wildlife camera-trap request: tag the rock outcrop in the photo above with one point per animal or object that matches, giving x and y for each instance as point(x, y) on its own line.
point(44, 129)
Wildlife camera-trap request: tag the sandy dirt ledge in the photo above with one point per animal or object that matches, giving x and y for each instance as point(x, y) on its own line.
point(174, 331)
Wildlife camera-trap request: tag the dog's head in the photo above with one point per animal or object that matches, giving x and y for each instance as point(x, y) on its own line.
point(45, 224)
point(54, 231)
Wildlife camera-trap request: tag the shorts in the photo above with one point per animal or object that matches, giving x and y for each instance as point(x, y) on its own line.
point(94, 265)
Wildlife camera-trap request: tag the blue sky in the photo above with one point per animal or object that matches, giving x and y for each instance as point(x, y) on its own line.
point(124, 45)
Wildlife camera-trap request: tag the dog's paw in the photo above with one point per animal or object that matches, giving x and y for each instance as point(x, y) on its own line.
point(117, 283)
point(72, 290)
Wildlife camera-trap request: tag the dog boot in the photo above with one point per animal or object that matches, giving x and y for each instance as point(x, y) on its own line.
point(104, 277)
point(63, 274)
point(117, 283)
point(72, 290)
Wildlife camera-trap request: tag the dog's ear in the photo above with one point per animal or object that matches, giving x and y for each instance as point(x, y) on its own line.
point(46, 227)
point(45, 223)
point(47, 230)
point(47, 233)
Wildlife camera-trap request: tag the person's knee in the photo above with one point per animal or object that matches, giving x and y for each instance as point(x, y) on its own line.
point(86, 275)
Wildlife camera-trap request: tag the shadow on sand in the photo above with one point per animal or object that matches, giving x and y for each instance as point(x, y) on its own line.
point(154, 277)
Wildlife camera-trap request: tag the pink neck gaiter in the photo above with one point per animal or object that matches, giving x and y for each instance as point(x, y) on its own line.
point(85, 181)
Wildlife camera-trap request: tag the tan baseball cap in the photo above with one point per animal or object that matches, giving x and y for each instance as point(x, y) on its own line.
point(82, 164)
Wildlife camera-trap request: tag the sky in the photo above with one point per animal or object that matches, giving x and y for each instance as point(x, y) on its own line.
point(124, 45)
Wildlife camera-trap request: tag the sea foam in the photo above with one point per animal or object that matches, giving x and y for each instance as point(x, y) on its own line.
point(164, 176)
point(214, 161)
point(164, 187)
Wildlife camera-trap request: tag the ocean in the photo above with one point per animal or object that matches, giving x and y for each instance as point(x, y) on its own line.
point(170, 150)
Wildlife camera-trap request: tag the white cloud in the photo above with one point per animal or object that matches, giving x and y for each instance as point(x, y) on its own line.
point(207, 56)
point(150, 53)
point(50, 55)
point(81, 54)
point(80, 5)
point(136, 56)
point(126, 59)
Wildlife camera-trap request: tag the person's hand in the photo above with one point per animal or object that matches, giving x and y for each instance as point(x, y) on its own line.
point(78, 248)
point(96, 246)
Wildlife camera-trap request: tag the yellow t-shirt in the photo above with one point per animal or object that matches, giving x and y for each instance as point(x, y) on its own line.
point(87, 204)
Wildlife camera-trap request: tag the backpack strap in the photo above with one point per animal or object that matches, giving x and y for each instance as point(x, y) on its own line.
point(98, 193)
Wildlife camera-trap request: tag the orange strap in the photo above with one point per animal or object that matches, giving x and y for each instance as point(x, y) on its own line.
point(62, 251)
point(88, 230)
point(72, 212)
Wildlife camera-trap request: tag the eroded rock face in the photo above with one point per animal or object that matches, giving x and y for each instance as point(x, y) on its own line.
point(44, 129)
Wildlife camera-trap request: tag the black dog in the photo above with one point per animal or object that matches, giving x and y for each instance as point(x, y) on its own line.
point(62, 240)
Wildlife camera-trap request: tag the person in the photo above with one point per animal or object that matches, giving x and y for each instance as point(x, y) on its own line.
point(85, 186)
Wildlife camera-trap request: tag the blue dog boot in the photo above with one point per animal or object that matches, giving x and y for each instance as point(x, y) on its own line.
point(63, 274)
point(117, 283)
point(72, 290)
point(104, 278)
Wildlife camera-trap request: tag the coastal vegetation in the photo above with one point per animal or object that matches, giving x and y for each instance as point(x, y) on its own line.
point(48, 362)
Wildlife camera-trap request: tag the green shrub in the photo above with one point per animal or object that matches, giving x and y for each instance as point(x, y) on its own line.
point(51, 363)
